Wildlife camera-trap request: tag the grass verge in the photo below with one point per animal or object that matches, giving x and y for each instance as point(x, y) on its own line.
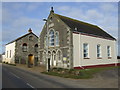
point(83, 74)
point(9, 63)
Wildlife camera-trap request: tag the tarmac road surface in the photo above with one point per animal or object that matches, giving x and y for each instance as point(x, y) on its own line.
point(14, 77)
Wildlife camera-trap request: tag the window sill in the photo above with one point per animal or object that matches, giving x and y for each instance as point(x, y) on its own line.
point(86, 58)
point(51, 46)
point(24, 51)
point(109, 57)
point(57, 45)
point(99, 58)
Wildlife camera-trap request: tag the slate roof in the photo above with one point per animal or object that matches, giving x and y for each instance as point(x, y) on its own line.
point(22, 37)
point(84, 27)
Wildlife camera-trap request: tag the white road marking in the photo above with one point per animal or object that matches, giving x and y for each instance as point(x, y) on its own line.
point(20, 78)
point(15, 75)
point(30, 85)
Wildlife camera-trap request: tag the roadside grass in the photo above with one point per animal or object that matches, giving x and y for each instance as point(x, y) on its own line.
point(82, 74)
point(9, 63)
point(12, 64)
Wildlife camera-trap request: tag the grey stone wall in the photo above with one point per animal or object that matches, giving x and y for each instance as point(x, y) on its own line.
point(65, 38)
point(22, 56)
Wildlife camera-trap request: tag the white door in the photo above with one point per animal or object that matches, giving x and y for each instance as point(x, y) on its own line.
point(54, 59)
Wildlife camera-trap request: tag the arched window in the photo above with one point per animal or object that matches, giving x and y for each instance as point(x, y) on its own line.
point(57, 39)
point(36, 47)
point(51, 38)
point(24, 47)
point(54, 55)
point(30, 38)
point(59, 56)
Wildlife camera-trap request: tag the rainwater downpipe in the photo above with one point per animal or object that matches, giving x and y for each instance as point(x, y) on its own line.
point(80, 41)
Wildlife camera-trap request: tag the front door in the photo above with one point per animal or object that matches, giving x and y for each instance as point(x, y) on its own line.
point(30, 60)
point(48, 64)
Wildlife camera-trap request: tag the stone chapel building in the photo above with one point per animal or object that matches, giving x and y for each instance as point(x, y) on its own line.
point(69, 43)
point(23, 50)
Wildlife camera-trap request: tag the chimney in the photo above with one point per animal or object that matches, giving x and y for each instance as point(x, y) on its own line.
point(52, 10)
point(30, 30)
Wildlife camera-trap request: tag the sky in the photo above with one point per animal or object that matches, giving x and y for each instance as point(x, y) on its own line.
point(18, 17)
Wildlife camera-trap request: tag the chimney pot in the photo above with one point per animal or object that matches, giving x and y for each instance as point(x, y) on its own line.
point(52, 10)
point(30, 30)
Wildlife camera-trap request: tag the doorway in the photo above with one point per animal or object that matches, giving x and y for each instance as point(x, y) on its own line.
point(48, 64)
point(30, 60)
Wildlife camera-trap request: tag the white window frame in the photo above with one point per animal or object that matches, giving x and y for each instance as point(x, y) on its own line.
point(24, 47)
point(109, 51)
point(31, 38)
point(56, 38)
point(87, 51)
point(36, 47)
point(99, 54)
point(51, 38)
point(7, 54)
point(10, 53)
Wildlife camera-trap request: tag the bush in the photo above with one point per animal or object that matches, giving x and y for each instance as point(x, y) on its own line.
point(3, 61)
point(6, 62)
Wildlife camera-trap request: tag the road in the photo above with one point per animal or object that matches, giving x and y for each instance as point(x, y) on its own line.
point(17, 78)
point(14, 77)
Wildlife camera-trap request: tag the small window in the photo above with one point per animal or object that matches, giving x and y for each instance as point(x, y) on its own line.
point(24, 47)
point(98, 51)
point(7, 54)
point(10, 53)
point(85, 50)
point(108, 51)
point(51, 38)
point(50, 19)
point(59, 55)
point(36, 47)
point(30, 38)
point(57, 39)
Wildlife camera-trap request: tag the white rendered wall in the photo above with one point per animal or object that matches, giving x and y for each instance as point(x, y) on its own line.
point(9, 47)
point(76, 50)
point(78, 59)
point(3, 58)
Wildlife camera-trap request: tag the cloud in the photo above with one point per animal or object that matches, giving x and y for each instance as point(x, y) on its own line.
point(93, 14)
point(101, 16)
point(63, 8)
point(0, 22)
point(32, 7)
point(61, 0)
point(107, 7)
point(1, 9)
point(6, 15)
point(18, 6)
point(20, 26)
point(18, 17)
point(95, 0)
point(25, 21)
